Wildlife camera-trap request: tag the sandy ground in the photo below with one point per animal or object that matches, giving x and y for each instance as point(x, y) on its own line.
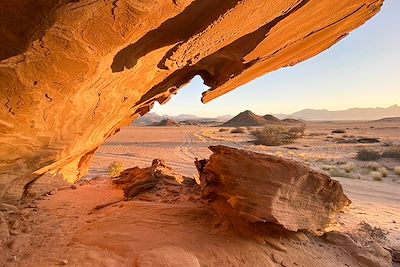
point(375, 202)
point(66, 228)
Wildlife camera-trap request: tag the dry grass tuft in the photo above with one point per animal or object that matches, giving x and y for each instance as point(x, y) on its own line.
point(115, 168)
point(335, 172)
point(376, 176)
point(397, 170)
point(374, 166)
point(349, 167)
point(384, 172)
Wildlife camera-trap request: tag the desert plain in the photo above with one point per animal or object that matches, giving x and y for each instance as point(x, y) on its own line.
point(90, 224)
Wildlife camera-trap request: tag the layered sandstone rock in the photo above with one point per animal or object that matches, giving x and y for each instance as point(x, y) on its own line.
point(73, 72)
point(260, 188)
point(157, 183)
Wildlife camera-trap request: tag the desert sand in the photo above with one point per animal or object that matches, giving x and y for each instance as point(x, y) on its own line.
point(71, 226)
point(376, 201)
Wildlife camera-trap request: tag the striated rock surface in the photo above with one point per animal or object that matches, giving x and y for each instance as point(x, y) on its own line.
point(259, 188)
point(157, 183)
point(363, 248)
point(73, 72)
point(167, 256)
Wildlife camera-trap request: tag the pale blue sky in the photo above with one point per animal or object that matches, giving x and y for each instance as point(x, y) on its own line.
point(363, 70)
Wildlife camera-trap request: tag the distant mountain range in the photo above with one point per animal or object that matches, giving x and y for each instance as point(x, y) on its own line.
point(154, 118)
point(362, 114)
point(365, 114)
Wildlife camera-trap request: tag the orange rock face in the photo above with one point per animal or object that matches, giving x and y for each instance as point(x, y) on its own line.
point(73, 72)
point(265, 188)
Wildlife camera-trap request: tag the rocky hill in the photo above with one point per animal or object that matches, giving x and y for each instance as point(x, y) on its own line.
point(165, 122)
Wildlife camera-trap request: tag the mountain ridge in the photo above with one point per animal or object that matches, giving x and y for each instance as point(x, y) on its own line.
point(362, 114)
point(347, 114)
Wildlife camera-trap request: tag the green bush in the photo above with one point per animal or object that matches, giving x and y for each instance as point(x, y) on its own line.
point(115, 168)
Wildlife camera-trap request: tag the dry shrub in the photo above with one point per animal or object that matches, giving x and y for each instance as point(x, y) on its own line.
point(115, 168)
point(338, 131)
point(393, 152)
point(326, 167)
point(367, 154)
point(298, 130)
point(274, 135)
point(376, 176)
point(397, 170)
point(384, 172)
point(335, 172)
point(238, 130)
point(375, 166)
point(349, 167)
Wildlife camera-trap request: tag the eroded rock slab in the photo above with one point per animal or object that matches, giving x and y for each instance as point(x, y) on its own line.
point(259, 188)
point(157, 183)
point(73, 72)
point(365, 249)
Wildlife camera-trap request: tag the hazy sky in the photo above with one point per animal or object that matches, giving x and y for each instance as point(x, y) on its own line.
point(362, 70)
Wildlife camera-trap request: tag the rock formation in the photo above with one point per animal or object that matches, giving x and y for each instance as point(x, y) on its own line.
point(363, 248)
point(158, 183)
point(260, 188)
point(165, 122)
point(73, 72)
point(240, 183)
point(246, 118)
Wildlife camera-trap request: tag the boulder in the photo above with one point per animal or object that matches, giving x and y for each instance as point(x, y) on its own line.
point(158, 182)
point(265, 188)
